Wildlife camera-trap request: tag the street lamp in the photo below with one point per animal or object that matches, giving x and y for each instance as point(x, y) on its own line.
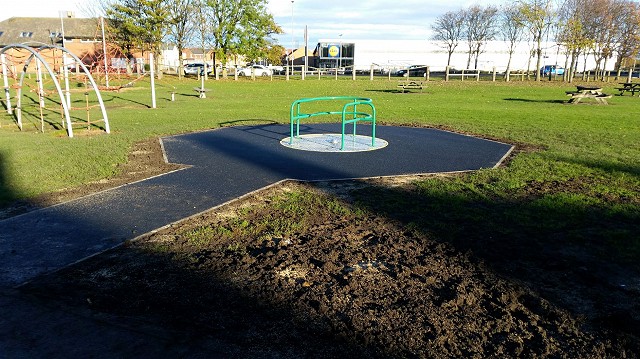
point(340, 54)
point(292, 38)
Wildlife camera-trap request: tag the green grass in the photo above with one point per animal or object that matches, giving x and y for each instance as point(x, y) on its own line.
point(598, 142)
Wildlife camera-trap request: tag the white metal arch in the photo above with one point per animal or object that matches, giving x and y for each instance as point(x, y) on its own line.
point(64, 101)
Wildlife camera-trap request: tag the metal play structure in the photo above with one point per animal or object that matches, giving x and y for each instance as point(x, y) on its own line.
point(351, 111)
point(8, 63)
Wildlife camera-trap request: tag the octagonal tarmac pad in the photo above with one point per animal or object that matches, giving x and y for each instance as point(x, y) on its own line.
point(259, 151)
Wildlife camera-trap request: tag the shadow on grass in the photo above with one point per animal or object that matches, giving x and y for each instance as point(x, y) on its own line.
point(532, 100)
point(607, 166)
point(398, 91)
point(6, 192)
point(112, 97)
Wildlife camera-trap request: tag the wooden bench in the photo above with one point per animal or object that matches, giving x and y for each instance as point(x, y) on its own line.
point(411, 85)
point(351, 109)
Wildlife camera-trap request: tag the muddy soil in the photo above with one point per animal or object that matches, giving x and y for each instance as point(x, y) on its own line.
point(336, 275)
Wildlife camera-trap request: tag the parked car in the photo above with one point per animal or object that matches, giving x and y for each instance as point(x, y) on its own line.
point(277, 70)
point(197, 68)
point(546, 70)
point(413, 70)
point(258, 70)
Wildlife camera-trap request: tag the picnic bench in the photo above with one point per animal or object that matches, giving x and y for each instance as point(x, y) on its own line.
point(351, 109)
point(411, 85)
point(589, 92)
point(632, 87)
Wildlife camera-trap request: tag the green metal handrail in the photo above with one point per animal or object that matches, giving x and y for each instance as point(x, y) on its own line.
point(349, 114)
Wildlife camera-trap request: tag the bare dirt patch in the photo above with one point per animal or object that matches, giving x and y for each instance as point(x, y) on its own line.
point(297, 271)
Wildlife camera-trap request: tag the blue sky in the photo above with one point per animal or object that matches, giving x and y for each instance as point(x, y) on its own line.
point(370, 19)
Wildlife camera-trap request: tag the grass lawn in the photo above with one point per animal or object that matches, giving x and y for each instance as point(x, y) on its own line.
point(598, 142)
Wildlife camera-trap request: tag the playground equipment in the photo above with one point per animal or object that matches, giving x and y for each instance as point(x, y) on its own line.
point(351, 110)
point(36, 51)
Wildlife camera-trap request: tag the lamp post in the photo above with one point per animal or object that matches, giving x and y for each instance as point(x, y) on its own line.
point(340, 53)
point(292, 38)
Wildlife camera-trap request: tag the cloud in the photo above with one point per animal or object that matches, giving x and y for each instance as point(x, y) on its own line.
point(372, 19)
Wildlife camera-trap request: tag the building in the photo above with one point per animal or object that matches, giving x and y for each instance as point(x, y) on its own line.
point(395, 54)
point(81, 36)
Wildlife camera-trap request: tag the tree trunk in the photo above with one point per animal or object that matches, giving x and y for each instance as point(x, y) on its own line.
point(156, 64)
point(180, 60)
point(529, 65)
point(539, 57)
point(508, 64)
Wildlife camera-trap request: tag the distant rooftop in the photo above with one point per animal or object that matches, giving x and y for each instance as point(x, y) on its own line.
point(47, 29)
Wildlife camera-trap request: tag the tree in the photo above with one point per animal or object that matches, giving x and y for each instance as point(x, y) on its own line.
point(203, 29)
point(603, 25)
point(181, 27)
point(448, 30)
point(274, 54)
point(572, 33)
point(478, 27)
point(511, 29)
point(537, 15)
point(241, 27)
point(628, 44)
point(141, 23)
point(122, 33)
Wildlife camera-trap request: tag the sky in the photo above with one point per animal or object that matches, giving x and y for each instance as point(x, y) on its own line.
point(325, 19)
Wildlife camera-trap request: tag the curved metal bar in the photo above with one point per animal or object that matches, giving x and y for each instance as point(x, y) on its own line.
point(62, 98)
point(65, 108)
point(93, 83)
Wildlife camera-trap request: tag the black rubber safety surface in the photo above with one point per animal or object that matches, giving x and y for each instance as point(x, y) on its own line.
point(224, 164)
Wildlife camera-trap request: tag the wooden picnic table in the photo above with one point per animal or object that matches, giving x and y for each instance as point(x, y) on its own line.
point(583, 92)
point(632, 87)
point(410, 84)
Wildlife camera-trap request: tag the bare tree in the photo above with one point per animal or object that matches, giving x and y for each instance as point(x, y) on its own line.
point(537, 15)
point(572, 33)
point(603, 27)
point(448, 30)
point(479, 27)
point(628, 44)
point(181, 27)
point(511, 29)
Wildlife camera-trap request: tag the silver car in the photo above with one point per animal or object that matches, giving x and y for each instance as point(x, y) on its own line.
point(194, 69)
point(258, 70)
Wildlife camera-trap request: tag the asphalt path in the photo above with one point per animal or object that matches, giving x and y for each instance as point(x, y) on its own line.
point(223, 164)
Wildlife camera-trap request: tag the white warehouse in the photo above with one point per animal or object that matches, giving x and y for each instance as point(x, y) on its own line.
point(395, 54)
